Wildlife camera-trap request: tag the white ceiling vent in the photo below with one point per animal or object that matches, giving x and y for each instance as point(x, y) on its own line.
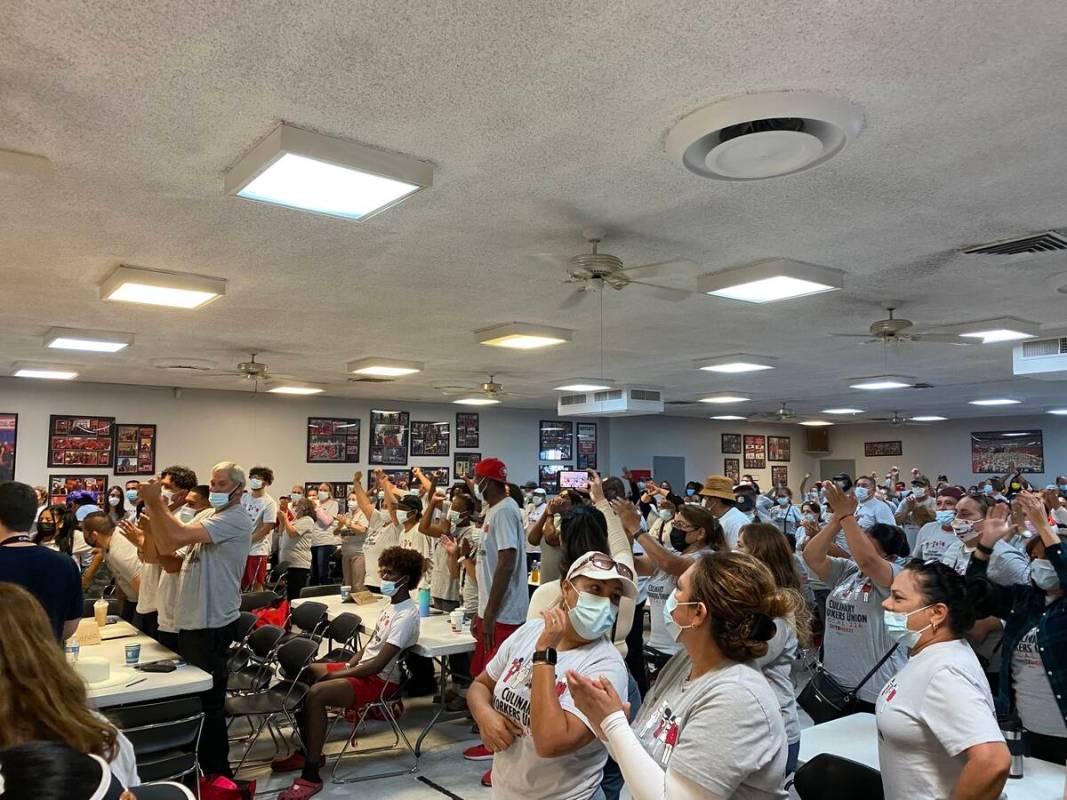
point(1044, 359)
point(763, 135)
point(1035, 244)
point(626, 401)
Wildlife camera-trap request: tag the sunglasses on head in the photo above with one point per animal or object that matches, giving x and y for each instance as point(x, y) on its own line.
point(601, 561)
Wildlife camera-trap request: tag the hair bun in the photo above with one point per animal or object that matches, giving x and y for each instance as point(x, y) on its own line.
point(763, 628)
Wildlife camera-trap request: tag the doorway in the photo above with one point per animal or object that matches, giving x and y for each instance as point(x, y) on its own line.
point(670, 468)
point(828, 467)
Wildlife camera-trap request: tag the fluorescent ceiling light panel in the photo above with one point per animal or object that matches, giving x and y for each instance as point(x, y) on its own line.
point(384, 367)
point(160, 288)
point(307, 171)
point(88, 341)
point(522, 336)
point(1002, 329)
point(842, 411)
point(771, 280)
point(724, 399)
point(734, 364)
point(929, 418)
point(298, 390)
point(45, 370)
point(585, 385)
point(996, 401)
point(882, 382)
point(729, 418)
point(1059, 412)
point(476, 401)
point(816, 423)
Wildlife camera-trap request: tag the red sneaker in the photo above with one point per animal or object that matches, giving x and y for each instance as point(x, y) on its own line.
point(478, 753)
point(301, 790)
point(487, 779)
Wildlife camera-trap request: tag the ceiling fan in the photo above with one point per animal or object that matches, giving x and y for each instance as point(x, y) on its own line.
point(897, 420)
point(252, 371)
point(783, 414)
point(595, 270)
point(900, 331)
point(490, 389)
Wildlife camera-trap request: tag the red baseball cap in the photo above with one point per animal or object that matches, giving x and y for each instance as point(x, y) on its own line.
point(492, 468)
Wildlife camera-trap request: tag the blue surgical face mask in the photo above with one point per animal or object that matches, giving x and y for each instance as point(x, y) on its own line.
point(186, 514)
point(666, 514)
point(454, 517)
point(389, 588)
point(401, 516)
point(673, 628)
point(690, 492)
point(1062, 487)
point(255, 484)
point(862, 493)
point(945, 516)
point(131, 495)
point(592, 617)
point(783, 501)
point(896, 625)
point(1044, 574)
point(218, 499)
point(294, 496)
point(987, 489)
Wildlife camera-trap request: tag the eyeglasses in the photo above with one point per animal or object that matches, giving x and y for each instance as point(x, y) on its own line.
point(602, 561)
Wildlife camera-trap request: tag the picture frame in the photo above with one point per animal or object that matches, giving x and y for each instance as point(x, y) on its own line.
point(332, 440)
point(400, 478)
point(548, 476)
point(587, 447)
point(731, 468)
point(779, 475)
point(135, 448)
point(467, 430)
point(443, 475)
point(878, 449)
point(463, 464)
point(60, 486)
point(430, 438)
point(755, 455)
point(389, 433)
point(997, 452)
point(555, 440)
point(779, 448)
point(9, 437)
point(731, 443)
point(81, 441)
point(340, 491)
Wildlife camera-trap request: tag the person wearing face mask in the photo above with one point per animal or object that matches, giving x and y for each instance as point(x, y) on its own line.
point(543, 746)
point(534, 510)
point(444, 586)
point(121, 558)
point(352, 528)
point(938, 734)
point(1034, 647)
point(1007, 564)
point(694, 531)
point(382, 530)
point(294, 548)
point(935, 537)
point(209, 594)
point(915, 509)
point(364, 678)
point(784, 515)
point(407, 512)
point(324, 540)
point(722, 613)
point(719, 498)
point(659, 521)
point(692, 492)
point(871, 510)
point(545, 533)
point(855, 640)
point(116, 506)
point(263, 509)
point(133, 500)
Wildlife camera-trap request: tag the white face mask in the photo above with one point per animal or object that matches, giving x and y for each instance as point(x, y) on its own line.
point(538, 499)
point(401, 516)
point(113, 500)
point(964, 528)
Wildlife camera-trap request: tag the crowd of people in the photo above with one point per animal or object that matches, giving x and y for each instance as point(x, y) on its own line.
point(935, 606)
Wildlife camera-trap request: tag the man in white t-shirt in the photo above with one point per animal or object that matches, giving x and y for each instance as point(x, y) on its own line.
point(263, 510)
point(119, 555)
point(871, 509)
point(720, 500)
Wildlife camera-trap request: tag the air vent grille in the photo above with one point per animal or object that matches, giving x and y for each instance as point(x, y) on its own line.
point(610, 394)
point(571, 399)
point(1045, 347)
point(1049, 242)
point(645, 394)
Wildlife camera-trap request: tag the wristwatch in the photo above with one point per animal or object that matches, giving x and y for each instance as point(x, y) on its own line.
point(546, 656)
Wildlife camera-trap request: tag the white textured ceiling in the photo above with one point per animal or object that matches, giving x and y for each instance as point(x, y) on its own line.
point(541, 118)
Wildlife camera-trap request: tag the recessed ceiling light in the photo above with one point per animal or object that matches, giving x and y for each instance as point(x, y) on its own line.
point(1002, 329)
point(929, 418)
point(89, 341)
point(522, 336)
point(307, 171)
point(159, 288)
point(585, 385)
point(384, 367)
point(816, 423)
point(734, 365)
point(476, 401)
point(882, 382)
point(1059, 412)
point(842, 411)
point(299, 390)
point(771, 280)
point(729, 418)
point(996, 401)
point(724, 399)
point(44, 370)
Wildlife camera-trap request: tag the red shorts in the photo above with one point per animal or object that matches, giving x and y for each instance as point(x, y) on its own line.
point(481, 656)
point(366, 690)
point(255, 572)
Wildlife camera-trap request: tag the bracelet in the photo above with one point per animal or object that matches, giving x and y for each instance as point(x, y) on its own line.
point(983, 549)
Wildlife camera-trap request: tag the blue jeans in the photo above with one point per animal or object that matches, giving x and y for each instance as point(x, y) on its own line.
point(611, 783)
point(794, 756)
point(320, 564)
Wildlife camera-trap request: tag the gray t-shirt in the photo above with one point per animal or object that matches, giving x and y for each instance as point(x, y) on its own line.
point(297, 550)
point(1008, 565)
point(855, 638)
point(733, 707)
point(502, 530)
point(209, 595)
point(777, 666)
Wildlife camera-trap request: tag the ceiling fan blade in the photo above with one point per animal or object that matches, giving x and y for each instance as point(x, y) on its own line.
point(665, 292)
point(939, 338)
point(852, 335)
point(574, 298)
point(656, 268)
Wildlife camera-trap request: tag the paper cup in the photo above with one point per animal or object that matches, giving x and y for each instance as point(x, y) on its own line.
point(345, 592)
point(133, 653)
point(455, 619)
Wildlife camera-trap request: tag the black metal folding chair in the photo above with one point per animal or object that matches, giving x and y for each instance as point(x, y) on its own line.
point(342, 635)
point(164, 736)
point(164, 790)
point(830, 777)
point(310, 618)
point(250, 601)
point(324, 590)
point(258, 656)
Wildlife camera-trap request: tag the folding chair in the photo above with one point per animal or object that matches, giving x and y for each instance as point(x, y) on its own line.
point(324, 590)
point(258, 654)
point(382, 709)
point(281, 699)
point(238, 657)
point(310, 618)
point(343, 631)
point(250, 601)
point(276, 578)
point(164, 736)
point(164, 790)
point(830, 777)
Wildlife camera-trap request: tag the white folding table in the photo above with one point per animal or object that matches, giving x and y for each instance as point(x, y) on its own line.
point(186, 679)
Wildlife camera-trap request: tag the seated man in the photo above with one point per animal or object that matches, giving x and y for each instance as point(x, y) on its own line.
point(362, 680)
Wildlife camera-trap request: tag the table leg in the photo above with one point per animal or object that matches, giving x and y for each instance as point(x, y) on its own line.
point(441, 711)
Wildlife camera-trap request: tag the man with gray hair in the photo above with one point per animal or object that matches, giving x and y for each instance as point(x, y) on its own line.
point(208, 603)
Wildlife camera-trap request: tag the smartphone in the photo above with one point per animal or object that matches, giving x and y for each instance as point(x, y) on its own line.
point(573, 479)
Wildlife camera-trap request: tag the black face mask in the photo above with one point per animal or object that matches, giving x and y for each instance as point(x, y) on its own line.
point(46, 527)
point(745, 502)
point(678, 541)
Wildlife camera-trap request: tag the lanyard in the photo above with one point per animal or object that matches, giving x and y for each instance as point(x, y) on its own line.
point(22, 537)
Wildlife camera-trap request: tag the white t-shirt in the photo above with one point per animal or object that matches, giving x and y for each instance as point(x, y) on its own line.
point(297, 549)
point(932, 541)
point(397, 625)
point(382, 534)
point(936, 707)
point(124, 563)
point(1037, 705)
point(442, 585)
point(1007, 565)
point(263, 510)
point(170, 583)
point(732, 522)
point(325, 533)
point(468, 586)
point(726, 727)
point(422, 544)
point(151, 574)
point(519, 772)
point(874, 511)
point(777, 667)
point(502, 530)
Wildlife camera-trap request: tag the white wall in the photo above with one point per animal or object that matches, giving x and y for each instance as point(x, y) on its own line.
point(204, 427)
point(945, 447)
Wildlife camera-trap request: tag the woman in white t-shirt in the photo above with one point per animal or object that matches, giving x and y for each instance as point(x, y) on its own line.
point(710, 727)
point(543, 746)
point(294, 545)
point(324, 538)
point(938, 735)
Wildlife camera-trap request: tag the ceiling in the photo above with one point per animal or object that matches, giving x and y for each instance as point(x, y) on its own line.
point(540, 119)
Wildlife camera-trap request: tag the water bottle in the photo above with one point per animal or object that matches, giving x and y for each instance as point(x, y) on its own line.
point(1013, 737)
point(424, 602)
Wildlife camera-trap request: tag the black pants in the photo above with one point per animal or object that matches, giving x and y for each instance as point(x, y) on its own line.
point(635, 649)
point(149, 624)
point(320, 563)
point(1047, 748)
point(423, 681)
point(208, 648)
point(296, 578)
point(863, 707)
point(168, 640)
